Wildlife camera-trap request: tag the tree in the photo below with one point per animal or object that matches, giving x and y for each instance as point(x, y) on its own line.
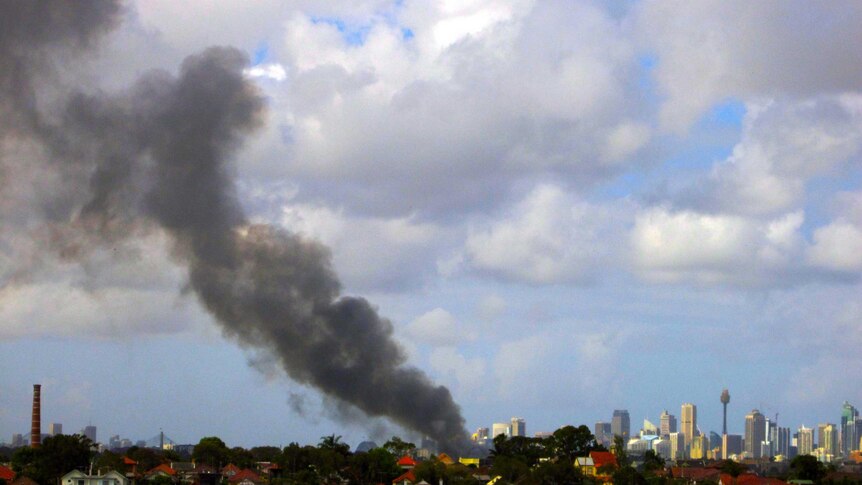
point(265, 453)
point(807, 467)
point(334, 443)
point(146, 457)
point(241, 457)
point(212, 451)
point(56, 456)
point(619, 450)
point(732, 468)
point(653, 462)
point(399, 447)
point(109, 461)
point(570, 442)
point(376, 466)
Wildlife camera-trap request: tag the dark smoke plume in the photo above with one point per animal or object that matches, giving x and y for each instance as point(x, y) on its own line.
point(159, 156)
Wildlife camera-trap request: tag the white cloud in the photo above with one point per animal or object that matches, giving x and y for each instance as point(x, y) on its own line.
point(837, 247)
point(468, 372)
point(689, 246)
point(549, 237)
point(439, 328)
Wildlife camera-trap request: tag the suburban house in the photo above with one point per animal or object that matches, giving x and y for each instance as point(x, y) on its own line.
point(77, 477)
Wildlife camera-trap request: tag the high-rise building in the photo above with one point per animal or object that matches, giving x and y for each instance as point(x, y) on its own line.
point(851, 429)
point(18, 440)
point(755, 433)
point(621, 425)
point(481, 435)
point(698, 448)
point(604, 435)
point(55, 428)
point(805, 441)
point(782, 442)
point(519, 427)
point(827, 438)
point(89, 432)
point(498, 429)
point(731, 444)
point(688, 422)
point(677, 446)
point(667, 423)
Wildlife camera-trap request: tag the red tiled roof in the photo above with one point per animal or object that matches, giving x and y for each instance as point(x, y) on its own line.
point(602, 458)
point(129, 461)
point(409, 476)
point(162, 468)
point(750, 479)
point(6, 474)
point(695, 473)
point(406, 460)
point(244, 475)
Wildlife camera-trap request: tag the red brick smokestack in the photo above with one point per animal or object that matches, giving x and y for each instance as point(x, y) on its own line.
point(36, 429)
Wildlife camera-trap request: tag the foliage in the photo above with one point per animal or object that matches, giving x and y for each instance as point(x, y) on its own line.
point(376, 466)
point(732, 468)
point(109, 460)
point(570, 442)
point(807, 467)
point(265, 453)
point(146, 457)
point(212, 451)
point(399, 447)
point(333, 443)
point(619, 450)
point(653, 462)
point(56, 456)
point(627, 475)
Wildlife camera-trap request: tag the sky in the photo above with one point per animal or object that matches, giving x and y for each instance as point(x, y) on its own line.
point(564, 208)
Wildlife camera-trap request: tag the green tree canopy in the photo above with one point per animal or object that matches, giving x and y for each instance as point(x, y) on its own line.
point(399, 447)
point(56, 456)
point(212, 451)
point(807, 467)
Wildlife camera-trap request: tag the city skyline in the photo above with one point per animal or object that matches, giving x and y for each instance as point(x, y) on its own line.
point(282, 220)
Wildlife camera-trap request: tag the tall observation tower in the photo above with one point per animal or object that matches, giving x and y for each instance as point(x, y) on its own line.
point(725, 398)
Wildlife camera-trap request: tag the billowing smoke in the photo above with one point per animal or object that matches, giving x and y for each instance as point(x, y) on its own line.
point(158, 156)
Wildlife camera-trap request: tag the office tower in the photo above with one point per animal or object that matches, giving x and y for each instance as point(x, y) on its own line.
point(698, 447)
point(662, 448)
point(667, 423)
point(18, 440)
point(481, 435)
point(715, 442)
point(649, 428)
point(771, 431)
point(805, 441)
point(688, 422)
point(731, 444)
point(519, 427)
point(755, 433)
point(603, 433)
point(620, 424)
point(827, 438)
point(498, 429)
point(90, 432)
point(782, 442)
point(725, 398)
point(55, 428)
point(677, 446)
point(850, 429)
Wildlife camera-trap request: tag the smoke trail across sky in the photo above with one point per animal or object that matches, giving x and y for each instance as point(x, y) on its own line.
point(158, 156)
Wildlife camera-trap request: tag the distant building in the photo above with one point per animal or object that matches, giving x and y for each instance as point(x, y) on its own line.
point(18, 440)
point(662, 448)
point(851, 429)
point(677, 446)
point(55, 428)
point(827, 438)
point(688, 423)
point(805, 441)
point(519, 427)
point(621, 424)
point(755, 433)
point(603, 433)
point(699, 447)
point(731, 444)
point(498, 429)
point(481, 434)
point(782, 442)
point(649, 428)
point(89, 432)
point(667, 424)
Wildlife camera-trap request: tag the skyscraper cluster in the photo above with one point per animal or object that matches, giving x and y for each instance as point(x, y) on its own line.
point(763, 438)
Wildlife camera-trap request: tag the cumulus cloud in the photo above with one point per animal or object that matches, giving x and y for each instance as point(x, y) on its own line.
point(785, 144)
point(710, 51)
point(672, 246)
point(439, 328)
point(468, 372)
point(549, 237)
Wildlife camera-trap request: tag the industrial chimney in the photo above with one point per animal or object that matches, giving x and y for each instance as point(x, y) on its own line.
point(36, 428)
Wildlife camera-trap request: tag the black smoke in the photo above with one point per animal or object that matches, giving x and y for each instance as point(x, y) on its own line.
point(158, 157)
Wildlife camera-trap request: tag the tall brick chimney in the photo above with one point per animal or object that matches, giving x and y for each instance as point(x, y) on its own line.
point(36, 429)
